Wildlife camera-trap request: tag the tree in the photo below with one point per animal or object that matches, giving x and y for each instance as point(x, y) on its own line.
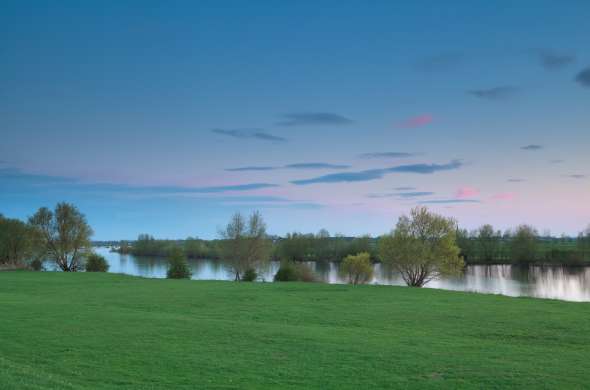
point(488, 243)
point(177, 265)
point(244, 245)
point(16, 241)
point(583, 243)
point(96, 263)
point(422, 247)
point(524, 244)
point(358, 268)
point(64, 235)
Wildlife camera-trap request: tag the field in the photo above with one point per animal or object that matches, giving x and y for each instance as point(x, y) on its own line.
point(98, 331)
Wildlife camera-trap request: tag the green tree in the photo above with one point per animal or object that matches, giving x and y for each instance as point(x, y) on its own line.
point(422, 247)
point(177, 265)
point(16, 241)
point(244, 244)
point(524, 244)
point(583, 243)
point(96, 263)
point(488, 243)
point(63, 234)
point(358, 268)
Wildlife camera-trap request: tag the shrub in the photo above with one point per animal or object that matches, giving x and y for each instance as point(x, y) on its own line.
point(177, 265)
point(36, 265)
point(96, 263)
point(294, 272)
point(357, 268)
point(250, 275)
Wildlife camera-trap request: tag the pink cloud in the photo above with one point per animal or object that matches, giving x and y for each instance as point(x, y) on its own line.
point(504, 196)
point(416, 121)
point(466, 192)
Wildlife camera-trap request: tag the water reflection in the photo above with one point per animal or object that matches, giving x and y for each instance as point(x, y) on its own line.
point(567, 283)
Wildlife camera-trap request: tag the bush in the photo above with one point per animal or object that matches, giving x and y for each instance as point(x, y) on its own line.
point(96, 263)
point(250, 275)
point(294, 272)
point(36, 265)
point(177, 265)
point(358, 268)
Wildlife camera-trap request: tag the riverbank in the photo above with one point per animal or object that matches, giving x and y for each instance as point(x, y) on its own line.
point(83, 330)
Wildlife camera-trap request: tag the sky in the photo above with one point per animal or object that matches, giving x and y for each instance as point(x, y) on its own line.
point(168, 117)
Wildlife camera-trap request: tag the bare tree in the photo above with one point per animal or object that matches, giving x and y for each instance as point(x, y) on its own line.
point(244, 244)
point(64, 235)
point(422, 247)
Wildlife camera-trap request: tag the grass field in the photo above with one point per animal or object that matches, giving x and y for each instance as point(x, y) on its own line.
point(98, 331)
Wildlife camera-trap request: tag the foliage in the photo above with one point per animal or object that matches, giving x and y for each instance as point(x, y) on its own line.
point(36, 265)
point(147, 245)
point(63, 234)
point(524, 244)
point(17, 241)
point(422, 247)
point(250, 275)
point(322, 247)
point(96, 263)
point(178, 266)
point(244, 244)
point(583, 244)
point(357, 268)
point(290, 271)
point(425, 339)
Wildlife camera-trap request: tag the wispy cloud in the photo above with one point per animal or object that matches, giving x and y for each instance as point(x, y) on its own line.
point(402, 195)
point(314, 119)
point(404, 188)
point(556, 161)
point(374, 174)
point(310, 166)
point(583, 78)
point(504, 196)
point(387, 155)
point(496, 93)
point(515, 180)
point(449, 201)
point(316, 165)
point(551, 60)
point(16, 178)
point(251, 168)
point(414, 194)
point(427, 168)
point(466, 192)
point(249, 134)
point(576, 176)
point(532, 147)
point(417, 121)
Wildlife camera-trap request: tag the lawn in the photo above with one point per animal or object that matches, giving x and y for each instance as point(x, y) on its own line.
point(95, 331)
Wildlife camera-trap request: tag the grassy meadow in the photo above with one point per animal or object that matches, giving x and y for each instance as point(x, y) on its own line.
point(100, 331)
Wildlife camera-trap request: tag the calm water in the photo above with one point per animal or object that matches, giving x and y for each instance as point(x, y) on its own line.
point(567, 283)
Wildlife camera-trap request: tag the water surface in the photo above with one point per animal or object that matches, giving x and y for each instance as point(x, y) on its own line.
point(566, 283)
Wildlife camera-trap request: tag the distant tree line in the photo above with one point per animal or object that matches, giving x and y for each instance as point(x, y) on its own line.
point(522, 245)
point(422, 246)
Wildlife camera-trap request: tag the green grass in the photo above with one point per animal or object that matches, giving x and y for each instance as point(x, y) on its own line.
point(98, 331)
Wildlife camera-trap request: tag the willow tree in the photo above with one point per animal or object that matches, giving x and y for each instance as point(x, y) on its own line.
point(244, 244)
point(357, 269)
point(422, 247)
point(64, 235)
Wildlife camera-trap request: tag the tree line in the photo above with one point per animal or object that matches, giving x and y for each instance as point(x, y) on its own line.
point(422, 246)
point(61, 235)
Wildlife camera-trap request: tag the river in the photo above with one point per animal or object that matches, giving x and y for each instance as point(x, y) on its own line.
point(565, 283)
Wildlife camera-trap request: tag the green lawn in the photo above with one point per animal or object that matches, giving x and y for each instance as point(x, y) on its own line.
point(95, 331)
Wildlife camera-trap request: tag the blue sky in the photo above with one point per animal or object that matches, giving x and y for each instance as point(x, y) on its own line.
point(167, 117)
